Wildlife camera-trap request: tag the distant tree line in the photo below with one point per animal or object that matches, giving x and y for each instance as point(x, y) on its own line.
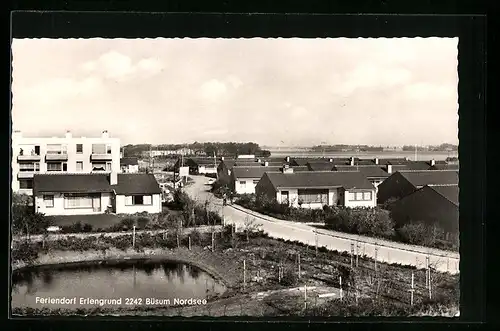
point(207, 149)
point(436, 148)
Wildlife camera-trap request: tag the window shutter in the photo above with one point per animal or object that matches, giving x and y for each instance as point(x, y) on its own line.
point(128, 200)
point(147, 200)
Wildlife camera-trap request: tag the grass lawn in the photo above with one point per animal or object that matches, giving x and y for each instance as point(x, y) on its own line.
point(97, 221)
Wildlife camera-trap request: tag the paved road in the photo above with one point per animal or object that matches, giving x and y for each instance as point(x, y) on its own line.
point(382, 250)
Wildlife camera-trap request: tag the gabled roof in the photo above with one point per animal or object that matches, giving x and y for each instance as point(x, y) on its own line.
point(252, 172)
point(302, 161)
point(369, 171)
point(258, 171)
point(320, 179)
point(136, 184)
point(95, 183)
point(126, 161)
point(445, 167)
point(431, 177)
point(71, 183)
point(320, 166)
point(449, 192)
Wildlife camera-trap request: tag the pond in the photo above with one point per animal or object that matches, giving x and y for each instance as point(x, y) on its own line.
point(108, 284)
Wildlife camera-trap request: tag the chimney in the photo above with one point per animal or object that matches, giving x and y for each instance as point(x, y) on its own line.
point(222, 158)
point(433, 163)
point(376, 160)
point(68, 134)
point(259, 160)
point(389, 168)
point(105, 134)
point(287, 169)
point(113, 178)
point(288, 159)
point(331, 160)
point(266, 164)
point(352, 161)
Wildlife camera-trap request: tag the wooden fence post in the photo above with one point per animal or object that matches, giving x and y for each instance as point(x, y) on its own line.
point(298, 257)
point(412, 287)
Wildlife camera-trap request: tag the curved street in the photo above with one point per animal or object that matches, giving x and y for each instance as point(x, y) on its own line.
point(382, 250)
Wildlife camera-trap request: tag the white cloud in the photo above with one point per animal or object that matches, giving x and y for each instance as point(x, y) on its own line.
point(150, 65)
point(213, 89)
point(234, 81)
point(117, 66)
point(59, 89)
point(371, 76)
point(427, 90)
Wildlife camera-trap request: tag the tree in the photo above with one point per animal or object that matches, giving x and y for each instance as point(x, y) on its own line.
point(26, 220)
point(250, 225)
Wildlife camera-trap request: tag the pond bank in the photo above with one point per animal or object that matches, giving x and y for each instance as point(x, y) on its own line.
point(198, 257)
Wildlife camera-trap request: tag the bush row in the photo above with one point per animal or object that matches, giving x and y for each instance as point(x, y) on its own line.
point(27, 251)
point(374, 222)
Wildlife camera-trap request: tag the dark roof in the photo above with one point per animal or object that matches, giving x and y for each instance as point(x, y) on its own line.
point(320, 166)
point(431, 177)
point(320, 179)
point(369, 171)
point(203, 161)
point(445, 167)
point(137, 184)
point(71, 183)
point(418, 165)
point(302, 161)
point(125, 161)
point(95, 183)
point(449, 192)
point(252, 172)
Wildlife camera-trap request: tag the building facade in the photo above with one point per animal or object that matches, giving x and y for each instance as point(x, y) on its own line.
point(68, 154)
point(311, 189)
point(94, 193)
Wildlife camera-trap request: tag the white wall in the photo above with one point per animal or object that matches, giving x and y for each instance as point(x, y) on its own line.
point(121, 208)
point(59, 209)
point(28, 143)
point(248, 188)
point(207, 170)
point(371, 203)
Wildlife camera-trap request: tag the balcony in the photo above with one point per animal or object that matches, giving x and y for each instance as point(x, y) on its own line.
point(56, 157)
point(30, 157)
point(101, 157)
point(26, 174)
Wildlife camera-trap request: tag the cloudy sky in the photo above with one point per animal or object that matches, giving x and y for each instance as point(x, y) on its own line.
point(269, 91)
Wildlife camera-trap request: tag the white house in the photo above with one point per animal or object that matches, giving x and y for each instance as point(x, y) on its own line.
point(245, 178)
point(315, 189)
point(67, 154)
point(129, 165)
point(86, 194)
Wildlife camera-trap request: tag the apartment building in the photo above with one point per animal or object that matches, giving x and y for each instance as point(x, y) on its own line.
point(68, 154)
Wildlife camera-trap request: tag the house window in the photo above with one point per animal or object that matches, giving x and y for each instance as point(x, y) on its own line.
point(54, 166)
point(132, 200)
point(360, 196)
point(108, 166)
point(79, 148)
point(79, 165)
point(313, 196)
point(64, 166)
point(78, 200)
point(108, 149)
point(243, 183)
point(37, 150)
point(255, 181)
point(56, 149)
point(48, 201)
point(26, 184)
point(29, 167)
point(98, 148)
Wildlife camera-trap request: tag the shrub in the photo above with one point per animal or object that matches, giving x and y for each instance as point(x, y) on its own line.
point(417, 233)
point(142, 222)
point(127, 223)
point(25, 252)
point(290, 277)
point(87, 227)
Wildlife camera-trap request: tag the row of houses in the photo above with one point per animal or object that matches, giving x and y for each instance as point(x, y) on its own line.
point(81, 176)
point(424, 191)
